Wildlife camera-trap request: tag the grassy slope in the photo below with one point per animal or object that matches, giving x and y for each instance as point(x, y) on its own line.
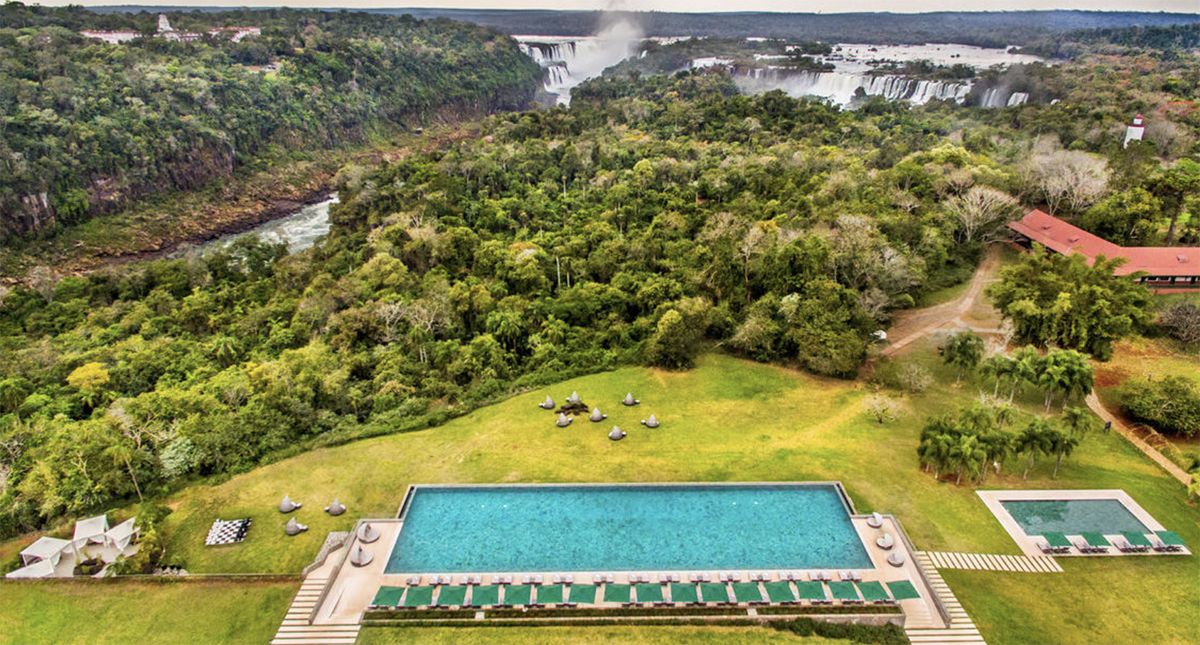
point(586, 635)
point(131, 612)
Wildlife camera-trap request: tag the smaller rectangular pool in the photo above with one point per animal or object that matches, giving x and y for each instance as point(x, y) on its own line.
point(1073, 517)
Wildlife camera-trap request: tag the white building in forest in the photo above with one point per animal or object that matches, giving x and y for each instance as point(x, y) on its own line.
point(1134, 131)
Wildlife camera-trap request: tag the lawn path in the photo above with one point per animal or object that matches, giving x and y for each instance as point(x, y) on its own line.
point(914, 324)
point(1093, 403)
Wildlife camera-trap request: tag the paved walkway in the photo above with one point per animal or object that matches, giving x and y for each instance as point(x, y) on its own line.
point(961, 628)
point(297, 628)
point(1093, 403)
point(992, 562)
point(914, 324)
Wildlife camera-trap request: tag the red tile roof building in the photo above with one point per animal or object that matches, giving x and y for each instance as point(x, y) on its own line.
point(1162, 266)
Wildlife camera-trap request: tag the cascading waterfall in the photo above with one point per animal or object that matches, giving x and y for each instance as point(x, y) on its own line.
point(998, 97)
point(571, 61)
point(842, 87)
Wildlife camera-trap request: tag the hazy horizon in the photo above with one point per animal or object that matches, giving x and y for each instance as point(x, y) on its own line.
point(695, 6)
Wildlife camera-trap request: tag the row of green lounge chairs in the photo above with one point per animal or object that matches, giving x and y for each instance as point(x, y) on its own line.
point(1093, 542)
point(647, 595)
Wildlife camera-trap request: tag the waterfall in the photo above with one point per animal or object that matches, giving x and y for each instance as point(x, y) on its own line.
point(571, 61)
point(842, 87)
point(998, 97)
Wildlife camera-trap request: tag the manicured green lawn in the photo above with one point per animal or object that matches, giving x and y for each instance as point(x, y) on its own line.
point(142, 612)
point(657, 635)
point(733, 420)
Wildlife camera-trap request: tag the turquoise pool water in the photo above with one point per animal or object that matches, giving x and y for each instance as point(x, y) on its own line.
point(1073, 517)
point(625, 528)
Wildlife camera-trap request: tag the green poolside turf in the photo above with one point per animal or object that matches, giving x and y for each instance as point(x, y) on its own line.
point(418, 596)
point(616, 593)
point(714, 592)
point(452, 596)
point(745, 592)
point(387, 597)
point(779, 592)
point(649, 592)
point(872, 591)
point(518, 595)
point(485, 596)
point(582, 595)
point(903, 590)
point(843, 591)
point(683, 592)
point(811, 590)
point(550, 595)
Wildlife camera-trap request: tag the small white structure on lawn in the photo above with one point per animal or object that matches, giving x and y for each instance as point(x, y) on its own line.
point(90, 531)
point(46, 548)
point(121, 535)
point(39, 569)
point(1134, 131)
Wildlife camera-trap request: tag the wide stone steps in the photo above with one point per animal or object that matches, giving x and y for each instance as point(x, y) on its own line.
point(961, 628)
point(296, 629)
point(992, 562)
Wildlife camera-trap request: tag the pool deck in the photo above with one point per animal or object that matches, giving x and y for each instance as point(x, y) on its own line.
point(350, 589)
point(994, 499)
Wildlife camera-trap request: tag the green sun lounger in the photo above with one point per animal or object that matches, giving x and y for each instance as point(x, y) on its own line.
point(452, 596)
point(811, 591)
point(844, 591)
point(779, 593)
point(1136, 540)
point(387, 597)
point(714, 592)
point(747, 593)
point(617, 593)
point(485, 596)
point(1171, 540)
point(582, 595)
point(518, 595)
point(1057, 541)
point(550, 595)
point(903, 590)
point(683, 593)
point(418, 597)
point(873, 592)
point(649, 593)
point(1095, 540)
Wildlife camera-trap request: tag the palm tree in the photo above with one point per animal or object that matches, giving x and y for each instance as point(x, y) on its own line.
point(966, 455)
point(1034, 439)
point(964, 351)
point(997, 445)
point(1062, 444)
point(998, 367)
point(1025, 367)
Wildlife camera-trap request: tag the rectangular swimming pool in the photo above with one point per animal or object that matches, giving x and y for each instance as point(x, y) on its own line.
point(1072, 517)
point(678, 527)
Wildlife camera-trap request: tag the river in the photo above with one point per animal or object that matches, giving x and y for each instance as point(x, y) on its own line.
point(299, 230)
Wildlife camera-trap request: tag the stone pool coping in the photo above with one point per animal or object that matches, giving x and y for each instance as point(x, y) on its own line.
point(994, 499)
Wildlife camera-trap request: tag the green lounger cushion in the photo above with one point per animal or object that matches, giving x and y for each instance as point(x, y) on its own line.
point(419, 596)
point(714, 592)
point(872, 591)
point(582, 595)
point(649, 592)
point(1056, 539)
point(811, 590)
point(387, 597)
point(903, 590)
point(485, 596)
point(682, 592)
point(518, 595)
point(1135, 538)
point(616, 593)
point(550, 595)
point(1170, 538)
point(747, 592)
point(843, 591)
point(453, 596)
point(1094, 539)
point(779, 592)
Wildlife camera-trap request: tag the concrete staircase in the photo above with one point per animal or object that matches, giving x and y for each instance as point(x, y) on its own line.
point(960, 630)
point(296, 628)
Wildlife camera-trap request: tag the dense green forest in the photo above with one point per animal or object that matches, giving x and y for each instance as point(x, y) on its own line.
point(88, 127)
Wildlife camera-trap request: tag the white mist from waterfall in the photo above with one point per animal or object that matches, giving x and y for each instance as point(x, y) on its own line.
point(571, 61)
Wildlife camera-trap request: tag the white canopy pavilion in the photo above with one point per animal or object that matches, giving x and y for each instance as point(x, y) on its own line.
point(90, 531)
point(46, 548)
point(39, 569)
point(121, 535)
